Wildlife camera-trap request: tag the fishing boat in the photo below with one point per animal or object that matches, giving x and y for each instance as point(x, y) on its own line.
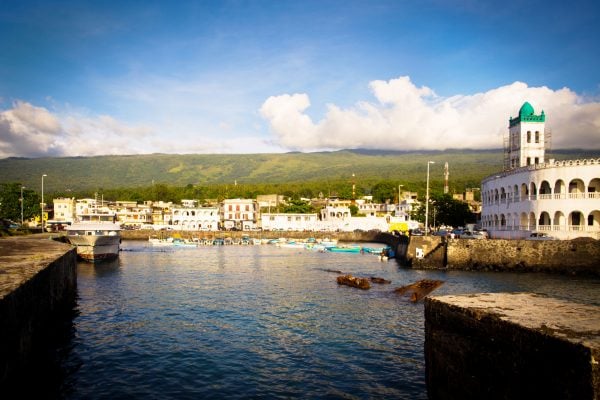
point(95, 240)
point(345, 249)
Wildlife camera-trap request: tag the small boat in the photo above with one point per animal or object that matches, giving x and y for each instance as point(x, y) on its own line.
point(345, 249)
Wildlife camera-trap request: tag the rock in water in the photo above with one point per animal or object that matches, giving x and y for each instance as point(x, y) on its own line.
point(418, 290)
point(349, 280)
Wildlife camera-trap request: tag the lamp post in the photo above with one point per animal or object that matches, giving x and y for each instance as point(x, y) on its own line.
point(22, 187)
point(427, 200)
point(43, 202)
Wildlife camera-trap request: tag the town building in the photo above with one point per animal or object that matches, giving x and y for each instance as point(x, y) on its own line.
point(532, 194)
point(289, 222)
point(64, 211)
point(240, 214)
point(192, 218)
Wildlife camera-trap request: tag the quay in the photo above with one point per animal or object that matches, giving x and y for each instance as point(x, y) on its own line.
point(38, 286)
point(511, 346)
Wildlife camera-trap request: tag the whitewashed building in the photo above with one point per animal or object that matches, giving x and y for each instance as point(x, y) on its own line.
point(289, 222)
point(64, 210)
point(195, 218)
point(532, 194)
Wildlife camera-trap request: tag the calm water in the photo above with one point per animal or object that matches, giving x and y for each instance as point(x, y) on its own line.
point(259, 322)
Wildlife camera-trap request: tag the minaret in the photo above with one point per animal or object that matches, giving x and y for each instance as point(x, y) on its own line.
point(526, 138)
point(446, 174)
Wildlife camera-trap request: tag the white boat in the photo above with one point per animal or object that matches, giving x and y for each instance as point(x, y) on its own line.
point(95, 240)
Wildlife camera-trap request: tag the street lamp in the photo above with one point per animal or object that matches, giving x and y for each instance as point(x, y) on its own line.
point(22, 187)
point(427, 199)
point(399, 193)
point(43, 202)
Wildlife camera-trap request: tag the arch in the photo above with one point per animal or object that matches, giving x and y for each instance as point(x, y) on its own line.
point(516, 193)
point(559, 220)
point(524, 191)
point(496, 196)
point(523, 223)
point(576, 188)
point(545, 188)
point(502, 221)
point(532, 191)
point(593, 220)
point(544, 221)
point(531, 221)
point(576, 221)
point(502, 195)
point(594, 188)
point(559, 189)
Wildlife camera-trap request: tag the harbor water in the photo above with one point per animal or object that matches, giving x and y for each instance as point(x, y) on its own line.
point(259, 322)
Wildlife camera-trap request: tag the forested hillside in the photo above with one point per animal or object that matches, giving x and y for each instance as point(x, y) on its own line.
point(295, 172)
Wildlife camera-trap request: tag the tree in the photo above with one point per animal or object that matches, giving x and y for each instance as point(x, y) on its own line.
point(383, 191)
point(444, 210)
point(298, 207)
point(10, 203)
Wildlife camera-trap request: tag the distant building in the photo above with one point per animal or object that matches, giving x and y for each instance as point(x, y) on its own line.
point(241, 214)
point(561, 198)
point(289, 222)
point(64, 210)
point(186, 218)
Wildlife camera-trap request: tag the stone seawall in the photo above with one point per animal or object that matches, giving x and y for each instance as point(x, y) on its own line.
point(579, 256)
point(38, 286)
point(511, 346)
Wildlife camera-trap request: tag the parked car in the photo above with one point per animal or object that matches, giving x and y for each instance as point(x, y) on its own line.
point(540, 236)
point(456, 232)
point(417, 232)
point(472, 235)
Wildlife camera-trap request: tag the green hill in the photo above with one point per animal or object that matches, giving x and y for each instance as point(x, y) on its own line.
point(467, 168)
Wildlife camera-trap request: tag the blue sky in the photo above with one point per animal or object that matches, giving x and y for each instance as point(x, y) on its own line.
point(123, 77)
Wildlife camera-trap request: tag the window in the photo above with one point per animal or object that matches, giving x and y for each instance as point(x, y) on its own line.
point(247, 207)
point(528, 160)
point(528, 136)
point(537, 160)
point(537, 136)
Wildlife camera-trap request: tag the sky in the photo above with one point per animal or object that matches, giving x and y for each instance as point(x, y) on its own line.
point(84, 78)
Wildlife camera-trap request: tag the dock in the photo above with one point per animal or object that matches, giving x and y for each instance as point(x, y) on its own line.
point(38, 285)
point(511, 346)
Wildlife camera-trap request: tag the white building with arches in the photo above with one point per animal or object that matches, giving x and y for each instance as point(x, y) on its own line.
point(195, 218)
point(561, 198)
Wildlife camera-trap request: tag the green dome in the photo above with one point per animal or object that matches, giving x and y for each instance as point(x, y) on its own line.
point(526, 110)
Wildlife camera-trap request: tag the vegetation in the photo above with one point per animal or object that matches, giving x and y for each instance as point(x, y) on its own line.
point(170, 177)
point(10, 202)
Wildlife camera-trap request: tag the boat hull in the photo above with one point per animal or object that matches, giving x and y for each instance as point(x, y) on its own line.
point(96, 248)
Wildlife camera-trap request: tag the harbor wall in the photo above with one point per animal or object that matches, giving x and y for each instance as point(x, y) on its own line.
point(578, 256)
point(511, 346)
point(38, 289)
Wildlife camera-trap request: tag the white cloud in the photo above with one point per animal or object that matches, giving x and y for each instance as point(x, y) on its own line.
point(407, 117)
point(30, 131)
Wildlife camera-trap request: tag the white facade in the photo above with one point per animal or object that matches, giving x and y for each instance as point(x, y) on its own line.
point(561, 198)
point(195, 218)
point(289, 222)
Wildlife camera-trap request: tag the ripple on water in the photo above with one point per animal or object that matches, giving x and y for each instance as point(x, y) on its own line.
point(255, 321)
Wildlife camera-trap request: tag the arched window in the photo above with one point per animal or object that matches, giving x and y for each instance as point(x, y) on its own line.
point(528, 136)
point(537, 136)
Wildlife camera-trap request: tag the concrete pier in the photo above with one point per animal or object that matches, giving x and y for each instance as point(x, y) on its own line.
point(38, 282)
point(511, 346)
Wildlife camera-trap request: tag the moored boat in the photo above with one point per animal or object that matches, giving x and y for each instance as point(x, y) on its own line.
point(345, 249)
point(95, 240)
